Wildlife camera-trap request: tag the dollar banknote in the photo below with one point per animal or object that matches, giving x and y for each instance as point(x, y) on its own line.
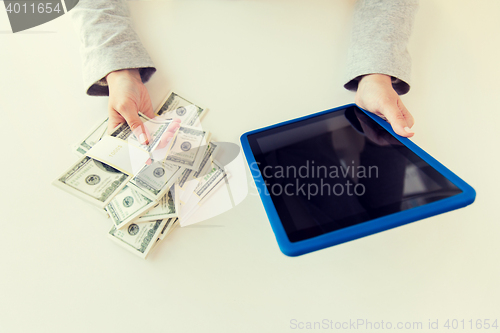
point(187, 147)
point(164, 209)
point(128, 205)
point(138, 238)
point(155, 127)
point(189, 179)
point(142, 199)
point(123, 131)
point(175, 106)
point(157, 178)
point(208, 156)
point(93, 181)
point(92, 137)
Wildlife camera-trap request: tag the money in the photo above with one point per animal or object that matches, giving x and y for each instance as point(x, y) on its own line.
point(155, 127)
point(92, 137)
point(123, 131)
point(157, 178)
point(138, 238)
point(92, 181)
point(208, 155)
point(175, 106)
point(124, 152)
point(122, 156)
point(164, 209)
point(188, 180)
point(144, 188)
point(129, 204)
point(187, 147)
point(208, 159)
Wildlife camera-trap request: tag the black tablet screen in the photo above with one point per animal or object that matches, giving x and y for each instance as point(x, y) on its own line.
point(339, 169)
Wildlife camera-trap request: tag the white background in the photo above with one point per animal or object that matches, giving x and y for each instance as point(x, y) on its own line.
point(253, 63)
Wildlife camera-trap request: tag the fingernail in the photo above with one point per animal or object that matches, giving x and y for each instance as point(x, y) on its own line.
point(408, 130)
point(142, 138)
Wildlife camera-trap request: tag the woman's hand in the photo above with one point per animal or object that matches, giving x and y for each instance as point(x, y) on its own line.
point(128, 96)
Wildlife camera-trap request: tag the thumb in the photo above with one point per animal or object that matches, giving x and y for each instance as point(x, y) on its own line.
point(398, 119)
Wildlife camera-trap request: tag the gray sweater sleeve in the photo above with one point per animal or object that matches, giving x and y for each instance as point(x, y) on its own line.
point(108, 43)
point(379, 42)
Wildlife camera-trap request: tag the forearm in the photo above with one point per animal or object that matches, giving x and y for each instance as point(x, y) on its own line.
point(108, 43)
point(380, 37)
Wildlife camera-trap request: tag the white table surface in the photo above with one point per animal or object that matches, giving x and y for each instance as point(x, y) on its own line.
point(253, 63)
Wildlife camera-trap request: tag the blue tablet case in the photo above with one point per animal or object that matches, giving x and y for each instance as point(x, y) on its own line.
point(366, 228)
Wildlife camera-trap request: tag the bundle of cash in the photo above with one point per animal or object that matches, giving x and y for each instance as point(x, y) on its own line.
point(146, 190)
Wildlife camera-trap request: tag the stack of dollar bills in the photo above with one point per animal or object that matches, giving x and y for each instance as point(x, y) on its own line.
point(146, 191)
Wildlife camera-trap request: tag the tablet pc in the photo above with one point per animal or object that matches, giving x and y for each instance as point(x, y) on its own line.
point(342, 174)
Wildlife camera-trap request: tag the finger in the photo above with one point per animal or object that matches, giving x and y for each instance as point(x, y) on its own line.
point(397, 120)
point(148, 107)
point(136, 125)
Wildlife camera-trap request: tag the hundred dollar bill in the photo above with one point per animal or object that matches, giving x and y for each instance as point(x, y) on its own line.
point(188, 180)
point(164, 209)
point(187, 147)
point(123, 131)
point(92, 181)
point(138, 238)
point(206, 160)
point(92, 137)
point(157, 178)
point(155, 127)
point(129, 204)
point(175, 106)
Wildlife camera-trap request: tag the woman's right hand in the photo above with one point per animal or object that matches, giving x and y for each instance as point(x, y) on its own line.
point(127, 96)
